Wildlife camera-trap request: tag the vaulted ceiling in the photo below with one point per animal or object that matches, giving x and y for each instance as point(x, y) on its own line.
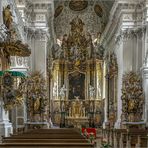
point(94, 14)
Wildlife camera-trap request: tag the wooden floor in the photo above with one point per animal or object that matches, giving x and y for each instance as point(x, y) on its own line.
point(47, 138)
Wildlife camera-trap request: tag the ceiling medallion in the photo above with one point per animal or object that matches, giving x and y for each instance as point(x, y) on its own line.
point(98, 10)
point(58, 11)
point(78, 5)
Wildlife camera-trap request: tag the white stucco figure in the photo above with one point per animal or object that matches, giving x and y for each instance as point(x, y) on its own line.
point(62, 92)
point(54, 89)
point(91, 91)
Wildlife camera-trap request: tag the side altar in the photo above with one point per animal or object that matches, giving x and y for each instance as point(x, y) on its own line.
point(76, 72)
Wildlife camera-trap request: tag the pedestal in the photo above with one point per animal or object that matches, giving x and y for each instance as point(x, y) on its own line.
point(5, 126)
point(77, 122)
point(36, 125)
point(6, 129)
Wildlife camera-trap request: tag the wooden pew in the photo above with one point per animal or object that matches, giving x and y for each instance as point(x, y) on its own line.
point(66, 138)
point(46, 145)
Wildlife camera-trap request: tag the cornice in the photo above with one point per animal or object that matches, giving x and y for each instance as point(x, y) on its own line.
point(130, 33)
point(119, 8)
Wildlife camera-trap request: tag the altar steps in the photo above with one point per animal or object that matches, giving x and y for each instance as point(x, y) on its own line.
point(47, 138)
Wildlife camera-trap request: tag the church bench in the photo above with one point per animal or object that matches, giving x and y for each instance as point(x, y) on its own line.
point(47, 136)
point(63, 130)
point(44, 140)
point(64, 145)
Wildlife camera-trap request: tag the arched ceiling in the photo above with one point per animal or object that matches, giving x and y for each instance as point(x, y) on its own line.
point(93, 13)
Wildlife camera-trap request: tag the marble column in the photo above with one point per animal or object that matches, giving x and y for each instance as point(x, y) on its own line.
point(119, 52)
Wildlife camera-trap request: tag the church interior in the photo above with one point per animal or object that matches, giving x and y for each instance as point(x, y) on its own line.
point(74, 73)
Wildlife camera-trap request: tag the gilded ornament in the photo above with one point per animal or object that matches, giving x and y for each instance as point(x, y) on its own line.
point(132, 97)
point(15, 48)
point(11, 96)
point(34, 88)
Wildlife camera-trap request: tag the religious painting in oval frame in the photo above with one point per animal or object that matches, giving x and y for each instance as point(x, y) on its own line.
point(58, 11)
point(78, 5)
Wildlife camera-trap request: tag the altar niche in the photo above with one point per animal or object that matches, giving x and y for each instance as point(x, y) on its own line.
point(76, 85)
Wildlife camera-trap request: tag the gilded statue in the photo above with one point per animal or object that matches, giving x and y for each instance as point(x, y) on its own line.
point(7, 17)
point(76, 107)
point(37, 104)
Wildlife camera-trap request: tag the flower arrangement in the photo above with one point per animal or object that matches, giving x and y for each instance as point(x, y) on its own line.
point(105, 144)
point(85, 133)
point(91, 137)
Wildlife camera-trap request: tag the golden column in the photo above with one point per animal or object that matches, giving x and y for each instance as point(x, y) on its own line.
point(55, 84)
point(99, 69)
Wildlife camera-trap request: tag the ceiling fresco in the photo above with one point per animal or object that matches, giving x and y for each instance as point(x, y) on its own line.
point(94, 13)
point(78, 5)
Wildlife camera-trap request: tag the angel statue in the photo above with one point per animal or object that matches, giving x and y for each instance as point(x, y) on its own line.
point(91, 91)
point(62, 92)
point(7, 17)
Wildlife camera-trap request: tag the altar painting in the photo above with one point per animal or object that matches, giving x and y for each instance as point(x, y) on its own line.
point(76, 85)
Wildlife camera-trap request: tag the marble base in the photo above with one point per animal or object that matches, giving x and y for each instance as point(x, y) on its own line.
point(6, 129)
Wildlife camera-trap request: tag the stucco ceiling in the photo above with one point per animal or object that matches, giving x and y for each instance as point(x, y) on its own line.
point(94, 14)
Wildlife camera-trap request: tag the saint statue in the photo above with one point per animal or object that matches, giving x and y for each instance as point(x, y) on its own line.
point(62, 92)
point(54, 89)
point(37, 105)
point(7, 17)
point(91, 91)
point(77, 107)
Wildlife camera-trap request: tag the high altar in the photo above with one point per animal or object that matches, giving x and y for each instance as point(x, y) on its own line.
point(76, 79)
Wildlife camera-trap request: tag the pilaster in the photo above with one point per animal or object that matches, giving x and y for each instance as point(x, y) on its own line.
point(145, 86)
